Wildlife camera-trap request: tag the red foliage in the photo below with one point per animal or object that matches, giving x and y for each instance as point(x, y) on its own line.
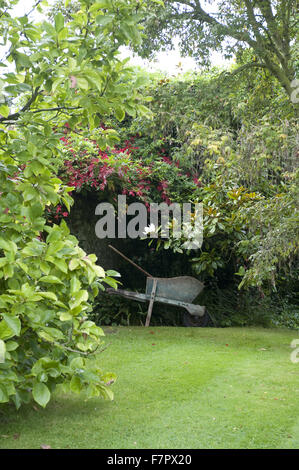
point(132, 179)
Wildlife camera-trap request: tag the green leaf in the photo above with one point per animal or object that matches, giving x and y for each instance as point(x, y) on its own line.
point(8, 271)
point(56, 83)
point(77, 363)
point(49, 28)
point(241, 271)
point(5, 331)
point(45, 267)
point(3, 262)
point(61, 264)
point(113, 273)
point(75, 384)
point(41, 394)
point(34, 248)
point(100, 4)
point(106, 392)
point(129, 31)
point(78, 298)
point(144, 111)
point(3, 394)
point(23, 266)
point(82, 83)
point(75, 311)
point(54, 332)
point(73, 264)
point(119, 113)
point(22, 59)
point(54, 235)
point(75, 285)
point(4, 110)
point(111, 282)
point(59, 22)
point(54, 248)
point(13, 322)
point(103, 20)
point(65, 316)
point(11, 346)
point(5, 245)
point(99, 271)
point(48, 295)
point(51, 280)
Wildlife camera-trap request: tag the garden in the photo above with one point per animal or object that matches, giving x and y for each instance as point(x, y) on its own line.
point(208, 356)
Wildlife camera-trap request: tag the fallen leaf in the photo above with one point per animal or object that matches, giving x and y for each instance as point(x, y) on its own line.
point(153, 344)
point(16, 436)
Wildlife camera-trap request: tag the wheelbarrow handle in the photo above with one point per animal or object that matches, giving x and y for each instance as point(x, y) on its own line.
point(130, 261)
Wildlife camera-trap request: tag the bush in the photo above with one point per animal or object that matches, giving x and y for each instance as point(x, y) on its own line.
point(47, 282)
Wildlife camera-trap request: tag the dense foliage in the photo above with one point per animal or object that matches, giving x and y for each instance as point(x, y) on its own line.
point(245, 165)
point(232, 145)
point(52, 71)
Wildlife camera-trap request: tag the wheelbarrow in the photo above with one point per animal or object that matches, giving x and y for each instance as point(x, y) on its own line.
point(178, 291)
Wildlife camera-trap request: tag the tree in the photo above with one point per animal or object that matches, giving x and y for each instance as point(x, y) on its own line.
point(268, 27)
point(53, 75)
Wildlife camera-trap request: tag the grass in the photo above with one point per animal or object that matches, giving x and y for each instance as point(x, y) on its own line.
point(177, 388)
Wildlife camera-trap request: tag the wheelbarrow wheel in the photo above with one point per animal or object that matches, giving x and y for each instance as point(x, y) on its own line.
point(195, 321)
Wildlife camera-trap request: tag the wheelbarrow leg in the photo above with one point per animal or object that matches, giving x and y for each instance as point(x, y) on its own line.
point(150, 307)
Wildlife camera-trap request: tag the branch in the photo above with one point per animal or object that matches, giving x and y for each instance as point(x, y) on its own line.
point(33, 8)
point(15, 116)
point(202, 15)
point(59, 108)
point(67, 348)
point(281, 47)
point(249, 65)
point(4, 11)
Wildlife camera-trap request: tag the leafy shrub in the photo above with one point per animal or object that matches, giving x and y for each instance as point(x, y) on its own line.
point(47, 282)
point(46, 288)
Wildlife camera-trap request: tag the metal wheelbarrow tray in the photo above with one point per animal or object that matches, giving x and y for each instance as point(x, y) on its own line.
point(177, 291)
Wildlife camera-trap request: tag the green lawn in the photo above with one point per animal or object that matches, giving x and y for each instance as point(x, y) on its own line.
point(177, 388)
